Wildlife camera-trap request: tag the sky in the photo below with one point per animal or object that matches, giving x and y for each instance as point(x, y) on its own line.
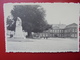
point(56, 13)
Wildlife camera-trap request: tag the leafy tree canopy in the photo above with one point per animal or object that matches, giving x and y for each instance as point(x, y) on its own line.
point(32, 16)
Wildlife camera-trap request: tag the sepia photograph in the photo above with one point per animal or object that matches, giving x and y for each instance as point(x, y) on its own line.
point(41, 27)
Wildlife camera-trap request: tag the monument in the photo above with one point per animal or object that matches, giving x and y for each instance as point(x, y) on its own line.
point(18, 32)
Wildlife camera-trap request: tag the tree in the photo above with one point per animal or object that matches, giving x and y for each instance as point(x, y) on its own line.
point(10, 23)
point(32, 16)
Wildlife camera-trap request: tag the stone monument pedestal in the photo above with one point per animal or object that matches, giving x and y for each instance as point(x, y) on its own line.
point(18, 32)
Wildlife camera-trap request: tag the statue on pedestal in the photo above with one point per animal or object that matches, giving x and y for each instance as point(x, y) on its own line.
point(18, 30)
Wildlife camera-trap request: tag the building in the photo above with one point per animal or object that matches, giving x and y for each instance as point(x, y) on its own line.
point(60, 31)
point(71, 30)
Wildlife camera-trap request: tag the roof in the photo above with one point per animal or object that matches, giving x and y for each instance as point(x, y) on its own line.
point(71, 25)
point(58, 26)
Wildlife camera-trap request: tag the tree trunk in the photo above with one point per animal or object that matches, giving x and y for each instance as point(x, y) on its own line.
point(29, 35)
